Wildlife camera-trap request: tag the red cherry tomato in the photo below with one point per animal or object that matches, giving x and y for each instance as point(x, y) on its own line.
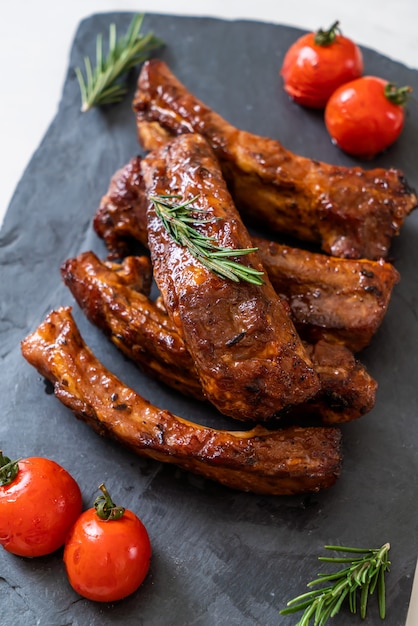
point(39, 502)
point(366, 115)
point(107, 559)
point(317, 63)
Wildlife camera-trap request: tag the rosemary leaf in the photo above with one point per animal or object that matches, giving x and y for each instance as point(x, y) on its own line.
point(180, 222)
point(381, 593)
point(342, 549)
point(364, 574)
point(364, 595)
point(104, 84)
point(339, 601)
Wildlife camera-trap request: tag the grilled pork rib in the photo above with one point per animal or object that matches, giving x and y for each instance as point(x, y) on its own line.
point(134, 272)
point(342, 300)
point(348, 211)
point(144, 332)
point(135, 324)
point(282, 462)
point(249, 358)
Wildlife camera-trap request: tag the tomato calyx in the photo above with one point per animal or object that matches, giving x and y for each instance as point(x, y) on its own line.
point(8, 470)
point(397, 95)
point(327, 37)
point(106, 509)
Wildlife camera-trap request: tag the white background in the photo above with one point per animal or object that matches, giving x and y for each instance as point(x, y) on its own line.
point(36, 36)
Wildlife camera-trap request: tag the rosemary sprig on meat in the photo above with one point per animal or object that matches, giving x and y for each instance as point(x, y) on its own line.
point(362, 576)
point(180, 219)
point(103, 85)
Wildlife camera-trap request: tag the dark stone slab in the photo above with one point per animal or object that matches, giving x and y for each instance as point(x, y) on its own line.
point(220, 557)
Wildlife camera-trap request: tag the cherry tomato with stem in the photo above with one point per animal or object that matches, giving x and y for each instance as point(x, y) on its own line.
point(107, 553)
point(39, 503)
point(317, 63)
point(365, 116)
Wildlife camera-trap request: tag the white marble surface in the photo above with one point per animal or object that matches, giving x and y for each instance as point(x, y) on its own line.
point(35, 39)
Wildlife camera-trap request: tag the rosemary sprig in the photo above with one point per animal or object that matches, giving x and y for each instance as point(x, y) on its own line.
point(103, 85)
point(180, 223)
point(362, 576)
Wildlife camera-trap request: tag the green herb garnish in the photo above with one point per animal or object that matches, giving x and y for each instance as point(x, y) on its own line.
point(103, 84)
point(362, 576)
point(180, 223)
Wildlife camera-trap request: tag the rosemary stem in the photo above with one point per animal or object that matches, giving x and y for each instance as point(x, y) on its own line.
point(181, 221)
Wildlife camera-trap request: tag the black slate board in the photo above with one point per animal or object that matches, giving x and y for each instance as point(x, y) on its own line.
point(219, 556)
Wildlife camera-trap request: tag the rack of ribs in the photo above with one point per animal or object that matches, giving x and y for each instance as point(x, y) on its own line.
point(349, 211)
point(339, 300)
point(249, 358)
point(142, 330)
point(278, 462)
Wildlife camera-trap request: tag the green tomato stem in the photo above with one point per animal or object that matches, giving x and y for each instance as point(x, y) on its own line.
point(106, 509)
point(327, 37)
point(8, 470)
point(397, 95)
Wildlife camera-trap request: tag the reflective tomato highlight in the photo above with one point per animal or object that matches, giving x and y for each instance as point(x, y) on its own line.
point(38, 508)
point(366, 116)
point(107, 560)
point(312, 71)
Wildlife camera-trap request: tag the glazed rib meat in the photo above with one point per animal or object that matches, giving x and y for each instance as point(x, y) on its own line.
point(249, 358)
point(144, 332)
point(135, 324)
point(134, 272)
point(288, 461)
point(121, 218)
point(348, 211)
point(342, 300)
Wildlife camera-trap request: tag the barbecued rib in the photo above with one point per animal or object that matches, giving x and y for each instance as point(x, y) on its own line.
point(349, 211)
point(134, 271)
point(282, 462)
point(121, 218)
point(249, 358)
point(135, 324)
point(341, 300)
point(143, 331)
